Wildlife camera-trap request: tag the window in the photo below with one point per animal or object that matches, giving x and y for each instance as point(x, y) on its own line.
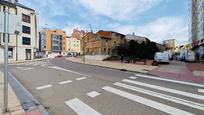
point(4, 39)
point(25, 18)
point(10, 53)
point(104, 49)
point(26, 29)
point(26, 41)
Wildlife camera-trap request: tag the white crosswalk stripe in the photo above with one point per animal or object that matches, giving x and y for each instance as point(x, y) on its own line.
point(81, 108)
point(147, 102)
point(169, 80)
point(183, 93)
point(162, 96)
point(201, 90)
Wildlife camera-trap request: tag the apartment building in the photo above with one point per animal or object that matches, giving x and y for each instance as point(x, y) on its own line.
point(170, 44)
point(74, 45)
point(53, 42)
point(137, 38)
point(102, 42)
point(24, 45)
point(197, 26)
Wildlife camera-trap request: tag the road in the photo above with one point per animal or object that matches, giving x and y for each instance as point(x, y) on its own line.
point(68, 88)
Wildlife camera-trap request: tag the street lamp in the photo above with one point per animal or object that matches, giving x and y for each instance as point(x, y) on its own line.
point(83, 36)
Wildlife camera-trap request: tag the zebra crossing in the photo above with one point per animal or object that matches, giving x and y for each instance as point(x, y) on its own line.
point(129, 88)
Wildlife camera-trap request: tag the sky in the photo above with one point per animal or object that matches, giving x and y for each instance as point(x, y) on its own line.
point(156, 19)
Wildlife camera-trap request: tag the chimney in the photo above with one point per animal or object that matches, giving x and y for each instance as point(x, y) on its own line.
point(133, 33)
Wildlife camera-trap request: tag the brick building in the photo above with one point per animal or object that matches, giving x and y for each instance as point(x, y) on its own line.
point(102, 42)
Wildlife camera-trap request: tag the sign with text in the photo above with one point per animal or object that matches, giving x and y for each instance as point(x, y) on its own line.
point(14, 23)
point(1, 22)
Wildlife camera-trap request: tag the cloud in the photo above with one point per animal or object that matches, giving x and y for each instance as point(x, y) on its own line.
point(118, 9)
point(165, 28)
point(159, 29)
point(70, 27)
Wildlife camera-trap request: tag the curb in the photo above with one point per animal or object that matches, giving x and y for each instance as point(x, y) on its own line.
point(28, 102)
point(112, 68)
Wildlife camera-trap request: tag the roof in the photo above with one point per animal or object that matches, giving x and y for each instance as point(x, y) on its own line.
point(23, 6)
point(107, 33)
point(4, 2)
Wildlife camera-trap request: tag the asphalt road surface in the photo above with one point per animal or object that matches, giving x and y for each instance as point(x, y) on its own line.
point(68, 88)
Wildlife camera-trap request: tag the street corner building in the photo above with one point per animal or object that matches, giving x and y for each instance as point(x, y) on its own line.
point(53, 42)
point(22, 46)
point(197, 26)
point(101, 45)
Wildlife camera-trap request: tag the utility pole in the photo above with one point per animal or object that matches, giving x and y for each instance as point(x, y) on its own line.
point(6, 37)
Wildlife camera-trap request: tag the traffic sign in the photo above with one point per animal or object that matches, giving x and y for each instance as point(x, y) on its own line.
point(1, 22)
point(14, 23)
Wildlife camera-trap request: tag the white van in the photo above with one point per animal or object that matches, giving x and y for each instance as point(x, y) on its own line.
point(190, 56)
point(161, 57)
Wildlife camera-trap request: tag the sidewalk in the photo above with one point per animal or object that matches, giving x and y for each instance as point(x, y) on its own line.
point(13, 103)
point(192, 72)
point(178, 70)
point(115, 65)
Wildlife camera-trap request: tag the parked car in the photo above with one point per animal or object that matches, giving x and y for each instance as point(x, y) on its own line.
point(58, 56)
point(161, 57)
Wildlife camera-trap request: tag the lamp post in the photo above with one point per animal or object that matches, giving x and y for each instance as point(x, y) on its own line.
point(83, 43)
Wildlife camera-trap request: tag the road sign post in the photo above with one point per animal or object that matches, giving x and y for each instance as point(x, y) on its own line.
point(9, 24)
point(6, 37)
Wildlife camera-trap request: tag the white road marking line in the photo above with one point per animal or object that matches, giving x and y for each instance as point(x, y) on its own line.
point(65, 82)
point(183, 93)
point(147, 102)
point(93, 94)
point(43, 87)
point(170, 80)
point(162, 96)
point(59, 68)
point(201, 90)
point(81, 108)
point(43, 65)
point(24, 68)
point(132, 77)
point(81, 78)
point(29, 63)
point(27, 68)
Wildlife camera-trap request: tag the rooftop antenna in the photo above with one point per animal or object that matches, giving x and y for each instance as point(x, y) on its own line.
point(90, 28)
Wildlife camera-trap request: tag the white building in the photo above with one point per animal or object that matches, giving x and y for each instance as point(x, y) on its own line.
point(23, 46)
point(74, 45)
point(139, 39)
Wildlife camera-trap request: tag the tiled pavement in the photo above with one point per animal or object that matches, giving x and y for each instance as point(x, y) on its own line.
point(191, 72)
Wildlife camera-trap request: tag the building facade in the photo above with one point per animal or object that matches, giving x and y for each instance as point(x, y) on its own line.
point(197, 26)
point(24, 45)
point(53, 42)
point(170, 44)
point(139, 39)
point(74, 45)
point(102, 42)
